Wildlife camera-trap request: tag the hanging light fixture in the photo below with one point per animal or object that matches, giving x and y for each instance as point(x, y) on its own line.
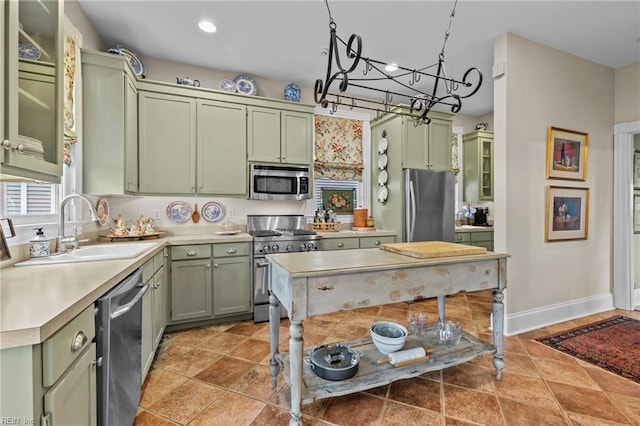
point(402, 83)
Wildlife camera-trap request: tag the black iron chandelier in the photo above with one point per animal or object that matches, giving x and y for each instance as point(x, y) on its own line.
point(443, 90)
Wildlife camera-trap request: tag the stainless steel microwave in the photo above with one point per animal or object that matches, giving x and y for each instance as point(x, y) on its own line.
point(279, 182)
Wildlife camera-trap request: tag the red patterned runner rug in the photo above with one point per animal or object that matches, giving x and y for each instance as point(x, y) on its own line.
point(612, 344)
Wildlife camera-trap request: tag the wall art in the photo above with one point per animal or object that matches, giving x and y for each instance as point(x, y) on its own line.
point(566, 154)
point(567, 214)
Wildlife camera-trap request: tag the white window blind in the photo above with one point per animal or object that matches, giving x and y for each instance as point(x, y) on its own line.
point(28, 199)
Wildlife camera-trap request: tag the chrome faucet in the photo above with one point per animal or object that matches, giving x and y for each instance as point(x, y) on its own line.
point(64, 242)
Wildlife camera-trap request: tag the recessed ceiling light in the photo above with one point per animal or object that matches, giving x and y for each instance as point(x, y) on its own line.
point(391, 67)
point(207, 26)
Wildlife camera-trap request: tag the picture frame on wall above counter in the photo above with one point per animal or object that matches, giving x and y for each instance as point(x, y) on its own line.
point(567, 214)
point(566, 154)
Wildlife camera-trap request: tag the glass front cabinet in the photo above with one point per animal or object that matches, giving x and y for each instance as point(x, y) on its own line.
point(31, 119)
point(478, 166)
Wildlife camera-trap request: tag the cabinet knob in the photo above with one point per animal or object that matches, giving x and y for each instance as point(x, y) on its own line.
point(377, 242)
point(215, 265)
point(78, 341)
point(6, 144)
point(231, 251)
point(191, 253)
point(20, 148)
point(209, 266)
point(341, 244)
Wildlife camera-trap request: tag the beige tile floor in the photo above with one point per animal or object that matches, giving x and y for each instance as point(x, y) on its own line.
point(219, 375)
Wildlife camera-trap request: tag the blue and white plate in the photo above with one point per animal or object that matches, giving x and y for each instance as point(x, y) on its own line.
point(178, 212)
point(136, 64)
point(228, 85)
point(246, 84)
point(28, 51)
point(212, 211)
point(292, 93)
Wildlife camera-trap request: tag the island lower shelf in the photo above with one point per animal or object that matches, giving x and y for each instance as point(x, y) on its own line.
point(371, 375)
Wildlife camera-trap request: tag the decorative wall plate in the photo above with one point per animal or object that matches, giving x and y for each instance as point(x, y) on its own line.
point(212, 211)
point(179, 212)
point(28, 51)
point(103, 212)
point(246, 84)
point(136, 64)
point(383, 193)
point(382, 146)
point(382, 178)
point(382, 161)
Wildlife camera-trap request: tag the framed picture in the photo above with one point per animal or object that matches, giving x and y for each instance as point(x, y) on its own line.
point(636, 170)
point(566, 154)
point(636, 212)
point(567, 213)
point(341, 201)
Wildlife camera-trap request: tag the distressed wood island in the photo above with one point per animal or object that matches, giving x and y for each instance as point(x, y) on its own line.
point(322, 282)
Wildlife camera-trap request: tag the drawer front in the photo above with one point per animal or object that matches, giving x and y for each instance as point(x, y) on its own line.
point(196, 251)
point(481, 236)
point(231, 249)
point(61, 349)
point(373, 242)
point(147, 271)
point(340, 243)
point(486, 244)
point(463, 237)
point(158, 261)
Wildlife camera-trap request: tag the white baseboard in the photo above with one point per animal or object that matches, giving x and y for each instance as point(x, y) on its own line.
point(636, 298)
point(553, 314)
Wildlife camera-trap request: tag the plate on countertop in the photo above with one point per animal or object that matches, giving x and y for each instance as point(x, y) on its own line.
point(228, 86)
point(246, 84)
point(179, 212)
point(28, 51)
point(234, 232)
point(103, 212)
point(136, 64)
point(212, 211)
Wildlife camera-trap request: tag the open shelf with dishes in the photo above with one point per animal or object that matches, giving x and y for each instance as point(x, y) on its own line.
point(371, 374)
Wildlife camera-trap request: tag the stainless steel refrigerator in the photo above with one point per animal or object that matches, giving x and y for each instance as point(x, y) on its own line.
point(428, 206)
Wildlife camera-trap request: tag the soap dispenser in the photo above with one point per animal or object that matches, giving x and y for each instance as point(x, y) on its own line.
point(39, 246)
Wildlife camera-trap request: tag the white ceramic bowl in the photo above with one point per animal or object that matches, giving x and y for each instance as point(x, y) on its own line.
point(388, 336)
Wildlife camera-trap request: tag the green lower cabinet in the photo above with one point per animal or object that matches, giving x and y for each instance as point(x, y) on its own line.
point(73, 399)
point(191, 289)
point(477, 239)
point(232, 286)
point(147, 333)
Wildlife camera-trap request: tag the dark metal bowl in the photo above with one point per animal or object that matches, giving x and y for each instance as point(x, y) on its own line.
point(334, 362)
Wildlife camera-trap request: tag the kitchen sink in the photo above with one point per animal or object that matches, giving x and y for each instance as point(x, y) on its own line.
point(93, 253)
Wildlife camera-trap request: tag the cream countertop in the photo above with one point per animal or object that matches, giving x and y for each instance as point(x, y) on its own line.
point(35, 301)
point(471, 228)
point(353, 234)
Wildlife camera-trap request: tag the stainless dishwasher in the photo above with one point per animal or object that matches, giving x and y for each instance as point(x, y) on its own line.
point(118, 345)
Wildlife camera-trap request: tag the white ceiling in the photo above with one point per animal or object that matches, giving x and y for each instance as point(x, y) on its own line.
point(282, 40)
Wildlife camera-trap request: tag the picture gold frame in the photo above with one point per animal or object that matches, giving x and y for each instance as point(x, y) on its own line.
point(567, 214)
point(566, 154)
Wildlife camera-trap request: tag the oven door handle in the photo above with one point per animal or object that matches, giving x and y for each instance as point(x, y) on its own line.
point(263, 284)
point(126, 308)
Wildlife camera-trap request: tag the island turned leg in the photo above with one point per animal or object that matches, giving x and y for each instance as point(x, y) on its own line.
point(274, 338)
point(295, 352)
point(498, 326)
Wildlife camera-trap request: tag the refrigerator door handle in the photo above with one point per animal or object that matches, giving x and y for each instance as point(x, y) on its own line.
point(412, 218)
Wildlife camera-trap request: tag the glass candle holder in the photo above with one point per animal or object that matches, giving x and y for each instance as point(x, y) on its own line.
point(418, 324)
point(448, 332)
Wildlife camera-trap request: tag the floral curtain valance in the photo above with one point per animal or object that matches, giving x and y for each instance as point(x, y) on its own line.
point(338, 148)
point(70, 136)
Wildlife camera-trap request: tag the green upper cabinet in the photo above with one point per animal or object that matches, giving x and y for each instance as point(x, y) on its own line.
point(279, 136)
point(167, 143)
point(427, 146)
point(477, 166)
point(221, 148)
point(31, 119)
point(110, 125)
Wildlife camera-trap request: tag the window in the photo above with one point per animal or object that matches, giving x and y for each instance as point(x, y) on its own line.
point(29, 199)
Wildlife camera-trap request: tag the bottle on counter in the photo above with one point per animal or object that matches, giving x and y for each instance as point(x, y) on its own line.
point(39, 245)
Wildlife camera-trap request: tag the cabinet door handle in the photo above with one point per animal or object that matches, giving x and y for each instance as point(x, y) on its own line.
point(340, 244)
point(209, 265)
point(191, 253)
point(20, 149)
point(78, 341)
point(215, 265)
point(6, 144)
point(231, 251)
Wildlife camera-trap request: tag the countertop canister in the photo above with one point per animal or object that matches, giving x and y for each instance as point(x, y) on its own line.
point(360, 218)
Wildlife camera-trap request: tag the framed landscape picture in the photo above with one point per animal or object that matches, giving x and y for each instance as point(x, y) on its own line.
point(567, 214)
point(566, 154)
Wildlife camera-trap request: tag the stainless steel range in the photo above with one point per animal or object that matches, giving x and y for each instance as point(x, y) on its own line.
point(274, 234)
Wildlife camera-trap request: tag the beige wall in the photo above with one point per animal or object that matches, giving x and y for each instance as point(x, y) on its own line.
point(627, 94)
point(90, 38)
point(545, 87)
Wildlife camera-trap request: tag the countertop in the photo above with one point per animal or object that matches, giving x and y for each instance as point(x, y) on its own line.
point(472, 228)
point(36, 301)
point(352, 234)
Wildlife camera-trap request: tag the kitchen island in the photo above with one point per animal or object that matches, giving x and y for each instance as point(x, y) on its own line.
point(317, 283)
